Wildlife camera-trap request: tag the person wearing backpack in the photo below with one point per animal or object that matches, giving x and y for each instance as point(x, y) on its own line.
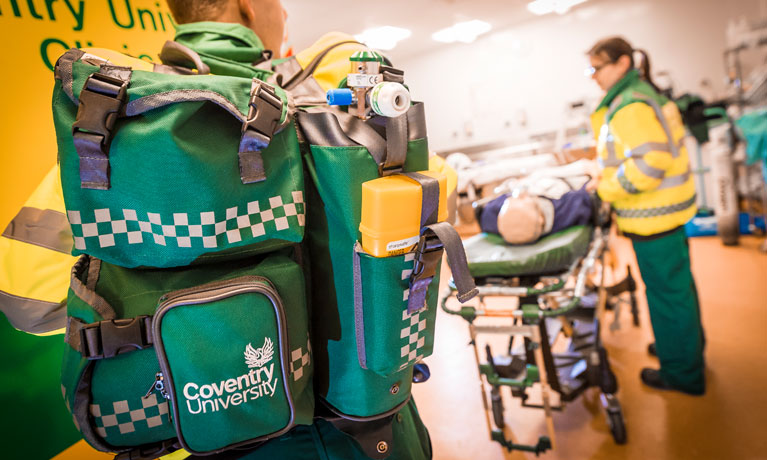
point(229, 35)
point(645, 175)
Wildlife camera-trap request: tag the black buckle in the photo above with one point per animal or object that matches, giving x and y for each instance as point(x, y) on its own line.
point(264, 111)
point(106, 339)
point(428, 254)
point(101, 101)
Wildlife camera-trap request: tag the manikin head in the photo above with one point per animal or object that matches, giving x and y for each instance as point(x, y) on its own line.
point(264, 17)
point(521, 219)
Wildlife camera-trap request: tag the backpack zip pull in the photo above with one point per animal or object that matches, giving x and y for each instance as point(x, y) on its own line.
point(158, 385)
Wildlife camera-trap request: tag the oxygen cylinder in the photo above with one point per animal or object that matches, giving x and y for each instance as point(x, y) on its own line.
point(725, 197)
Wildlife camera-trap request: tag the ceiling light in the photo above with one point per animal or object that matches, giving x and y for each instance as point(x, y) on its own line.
point(541, 7)
point(383, 38)
point(464, 32)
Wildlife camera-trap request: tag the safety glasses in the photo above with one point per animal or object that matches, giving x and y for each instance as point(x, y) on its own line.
point(591, 70)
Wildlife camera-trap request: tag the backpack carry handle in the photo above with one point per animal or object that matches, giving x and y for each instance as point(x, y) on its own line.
point(174, 53)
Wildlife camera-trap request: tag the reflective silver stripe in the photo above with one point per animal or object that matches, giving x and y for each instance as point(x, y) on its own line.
point(31, 315)
point(674, 181)
point(655, 212)
point(646, 148)
point(664, 123)
point(612, 157)
point(626, 184)
point(157, 100)
point(41, 227)
point(648, 170)
point(613, 107)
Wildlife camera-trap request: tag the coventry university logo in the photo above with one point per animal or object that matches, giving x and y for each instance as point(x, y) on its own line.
point(259, 381)
point(261, 356)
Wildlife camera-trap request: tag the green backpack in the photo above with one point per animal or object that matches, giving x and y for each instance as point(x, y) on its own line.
point(201, 314)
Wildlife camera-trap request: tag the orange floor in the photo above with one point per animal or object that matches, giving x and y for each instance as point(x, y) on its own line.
point(729, 422)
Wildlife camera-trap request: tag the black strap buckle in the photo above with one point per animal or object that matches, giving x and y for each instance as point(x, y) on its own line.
point(264, 111)
point(428, 255)
point(101, 101)
point(106, 339)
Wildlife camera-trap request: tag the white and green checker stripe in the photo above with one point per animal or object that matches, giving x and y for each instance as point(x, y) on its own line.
point(105, 228)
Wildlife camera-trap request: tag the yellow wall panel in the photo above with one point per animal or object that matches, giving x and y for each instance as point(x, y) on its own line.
point(33, 34)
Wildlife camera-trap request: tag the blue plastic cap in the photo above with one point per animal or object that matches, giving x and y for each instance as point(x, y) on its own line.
point(339, 96)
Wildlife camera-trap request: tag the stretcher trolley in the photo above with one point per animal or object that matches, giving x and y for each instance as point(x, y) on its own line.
point(555, 293)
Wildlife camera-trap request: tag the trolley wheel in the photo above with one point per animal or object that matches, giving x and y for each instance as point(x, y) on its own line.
point(608, 383)
point(617, 426)
point(497, 403)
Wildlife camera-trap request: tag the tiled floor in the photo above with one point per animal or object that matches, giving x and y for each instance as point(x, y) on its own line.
point(729, 422)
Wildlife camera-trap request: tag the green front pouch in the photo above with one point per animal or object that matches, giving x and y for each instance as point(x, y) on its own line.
point(231, 372)
point(389, 338)
point(121, 397)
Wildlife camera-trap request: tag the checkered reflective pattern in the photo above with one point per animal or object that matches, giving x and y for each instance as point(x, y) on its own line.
point(413, 332)
point(187, 230)
point(125, 418)
point(655, 212)
point(299, 359)
point(413, 327)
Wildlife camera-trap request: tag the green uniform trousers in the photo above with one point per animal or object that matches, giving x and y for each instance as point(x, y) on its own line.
point(321, 441)
point(672, 298)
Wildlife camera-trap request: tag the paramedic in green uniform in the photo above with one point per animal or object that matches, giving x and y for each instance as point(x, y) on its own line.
point(226, 34)
point(645, 176)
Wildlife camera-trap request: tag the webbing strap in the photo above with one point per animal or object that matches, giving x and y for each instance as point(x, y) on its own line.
point(264, 114)
point(427, 261)
point(429, 197)
point(456, 258)
point(100, 103)
point(107, 339)
point(294, 80)
point(396, 144)
point(88, 295)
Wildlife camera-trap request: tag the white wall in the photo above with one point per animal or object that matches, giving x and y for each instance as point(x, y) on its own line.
point(482, 92)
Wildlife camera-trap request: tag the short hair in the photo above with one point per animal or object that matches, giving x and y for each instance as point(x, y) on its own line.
point(186, 11)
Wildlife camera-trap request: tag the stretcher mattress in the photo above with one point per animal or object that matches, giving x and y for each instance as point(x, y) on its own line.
point(489, 255)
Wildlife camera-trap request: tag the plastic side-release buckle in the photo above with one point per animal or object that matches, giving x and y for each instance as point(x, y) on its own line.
point(101, 101)
point(264, 114)
point(106, 339)
point(428, 256)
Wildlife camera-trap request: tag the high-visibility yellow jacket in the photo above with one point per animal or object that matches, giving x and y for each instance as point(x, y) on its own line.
point(645, 166)
point(35, 261)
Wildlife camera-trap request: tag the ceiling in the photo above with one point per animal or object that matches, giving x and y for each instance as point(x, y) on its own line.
point(309, 19)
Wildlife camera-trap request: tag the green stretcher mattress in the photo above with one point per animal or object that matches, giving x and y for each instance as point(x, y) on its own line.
point(489, 255)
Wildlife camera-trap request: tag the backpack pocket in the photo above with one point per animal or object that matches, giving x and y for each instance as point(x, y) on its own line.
point(389, 337)
point(227, 364)
point(125, 385)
